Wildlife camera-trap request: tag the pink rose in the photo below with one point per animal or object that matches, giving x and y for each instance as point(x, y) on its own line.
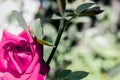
point(21, 58)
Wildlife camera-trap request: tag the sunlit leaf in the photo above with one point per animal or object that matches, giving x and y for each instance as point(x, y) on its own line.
point(20, 19)
point(37, 29)
point(83, 7)
point(42, 42)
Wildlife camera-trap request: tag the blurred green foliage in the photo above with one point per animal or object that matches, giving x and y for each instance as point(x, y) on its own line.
point(90, 44)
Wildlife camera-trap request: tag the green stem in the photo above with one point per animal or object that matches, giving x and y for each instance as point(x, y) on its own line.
point(66, 24)
point(61, 30)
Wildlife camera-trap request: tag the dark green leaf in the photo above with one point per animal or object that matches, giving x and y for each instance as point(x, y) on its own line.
point(83, 7)
point(96, 10)
point(69, 13)
point(77, 75)
point(71, 1)
point(91, 12)
point(64, 73)
point(58, 14)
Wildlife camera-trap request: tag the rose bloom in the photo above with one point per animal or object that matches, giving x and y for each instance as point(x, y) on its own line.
point(21, 58)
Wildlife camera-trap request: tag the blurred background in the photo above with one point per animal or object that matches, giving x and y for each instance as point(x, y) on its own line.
point(90, 44)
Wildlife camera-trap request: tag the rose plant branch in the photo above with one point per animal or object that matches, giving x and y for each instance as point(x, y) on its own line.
point(56, 42)
point(62, 27)
point(81, 10)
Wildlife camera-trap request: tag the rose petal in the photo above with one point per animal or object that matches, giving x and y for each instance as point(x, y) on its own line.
point(26, 36)
point(13, 63)
point(35, 73)
point(9, 76)
point(2, 63)
point(5, 47)
point(33, 63)
point(41, 77)
point(24, 63)
point(23, 60)
point(8, 36)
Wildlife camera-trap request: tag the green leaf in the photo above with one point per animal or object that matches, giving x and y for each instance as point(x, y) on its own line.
point(83, 7)
point(64, 73)
point(69, 13)
point(37, 29)
point(91, 12)
point(77, 75)
point(56, 17)
point(58, 14)
point(20, 19)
